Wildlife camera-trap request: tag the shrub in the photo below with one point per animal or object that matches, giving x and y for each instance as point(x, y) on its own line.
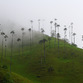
point(4, 67)
point(50, 69)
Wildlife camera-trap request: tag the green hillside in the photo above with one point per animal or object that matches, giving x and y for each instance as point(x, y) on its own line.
point(6, 77)
point(63, 64)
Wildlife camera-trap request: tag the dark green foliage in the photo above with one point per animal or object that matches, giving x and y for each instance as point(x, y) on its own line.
point(50, 69)
point(74, 45)
point(4, 67)
point(5, 76)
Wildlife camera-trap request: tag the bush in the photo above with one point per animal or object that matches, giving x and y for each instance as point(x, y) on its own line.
point(4, 67)
point(50, 69)
point(74, 45)
point(5, 76)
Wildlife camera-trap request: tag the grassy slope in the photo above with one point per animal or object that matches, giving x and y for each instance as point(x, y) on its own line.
point(6, 77)
point(66, 63)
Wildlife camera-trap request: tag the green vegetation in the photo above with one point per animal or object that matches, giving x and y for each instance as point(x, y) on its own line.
point(63, 65)
point(6, 77)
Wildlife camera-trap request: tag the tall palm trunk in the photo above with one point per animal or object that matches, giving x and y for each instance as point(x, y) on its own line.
point(12, 33)
point(44, 52)
point(55, 35)
point(74, 39)
point(58, 35)
point(11, 53)
point(39, 25)
point(49, 42)
point(30, 37)
point(71, 31)
point(18, 40)
point(22, 43)
point(2, 33)
point(5, 48)
point(19, 49)
point(32, 31)
point(22, 38)
point(2, 52)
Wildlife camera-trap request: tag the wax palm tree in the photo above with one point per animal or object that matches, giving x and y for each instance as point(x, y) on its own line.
point(69, 34)
point(42, 30)
point(12, 33)
point(31, 30)
point(22, 39)
point(5, 43)
point(2, 33)
point(55, 33)
point(65, 29)
point(51, 27)
point(41, 42)
point(58, 35)
point(74, 34)
point(44, 40)
point(30, 36)
point(71, 31)
point(82, 39)
point(39, 24)
point(18, 40)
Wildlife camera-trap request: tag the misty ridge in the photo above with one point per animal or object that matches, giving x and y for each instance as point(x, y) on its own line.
point(7, 26)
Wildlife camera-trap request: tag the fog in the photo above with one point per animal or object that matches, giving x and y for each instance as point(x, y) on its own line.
point(15, 14)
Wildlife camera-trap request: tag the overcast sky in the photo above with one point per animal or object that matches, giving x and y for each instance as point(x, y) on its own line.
point(66, 11)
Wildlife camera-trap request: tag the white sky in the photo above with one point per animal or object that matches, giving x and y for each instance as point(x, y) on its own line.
point(66, 11)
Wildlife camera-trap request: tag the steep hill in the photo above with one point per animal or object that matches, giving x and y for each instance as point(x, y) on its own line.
point(52, 64)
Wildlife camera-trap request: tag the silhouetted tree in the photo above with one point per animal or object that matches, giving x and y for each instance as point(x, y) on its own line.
point(42, 30)
point(5, 43)
point(55, 33)
point(12, 33)
point(82, 39)
point(31, 30)
point(65, 29)
point(74, 34)
point(2, 33)
point(30, 36)
point(71, 31)
point(22, 39)
point(18, 40)
point(41, 42)
point(51, 27)
point(69, 34)
point(39, 24)
point(58, 35)
point(44, 40)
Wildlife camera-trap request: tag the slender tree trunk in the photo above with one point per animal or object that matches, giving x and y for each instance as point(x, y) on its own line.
point(74, 39)
point(30, 40)
point(64, 39)
point(55, 36)
point(49, 43)
point(41, 57)
point(2, 52)
point(39, 25)
point(11, 53)
point(58, 38)
point(44, 53)
point(19, 48)
point(22, 44)
point(51, 31)
point(32, 33)
point(5, 48)
point(71, 33)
